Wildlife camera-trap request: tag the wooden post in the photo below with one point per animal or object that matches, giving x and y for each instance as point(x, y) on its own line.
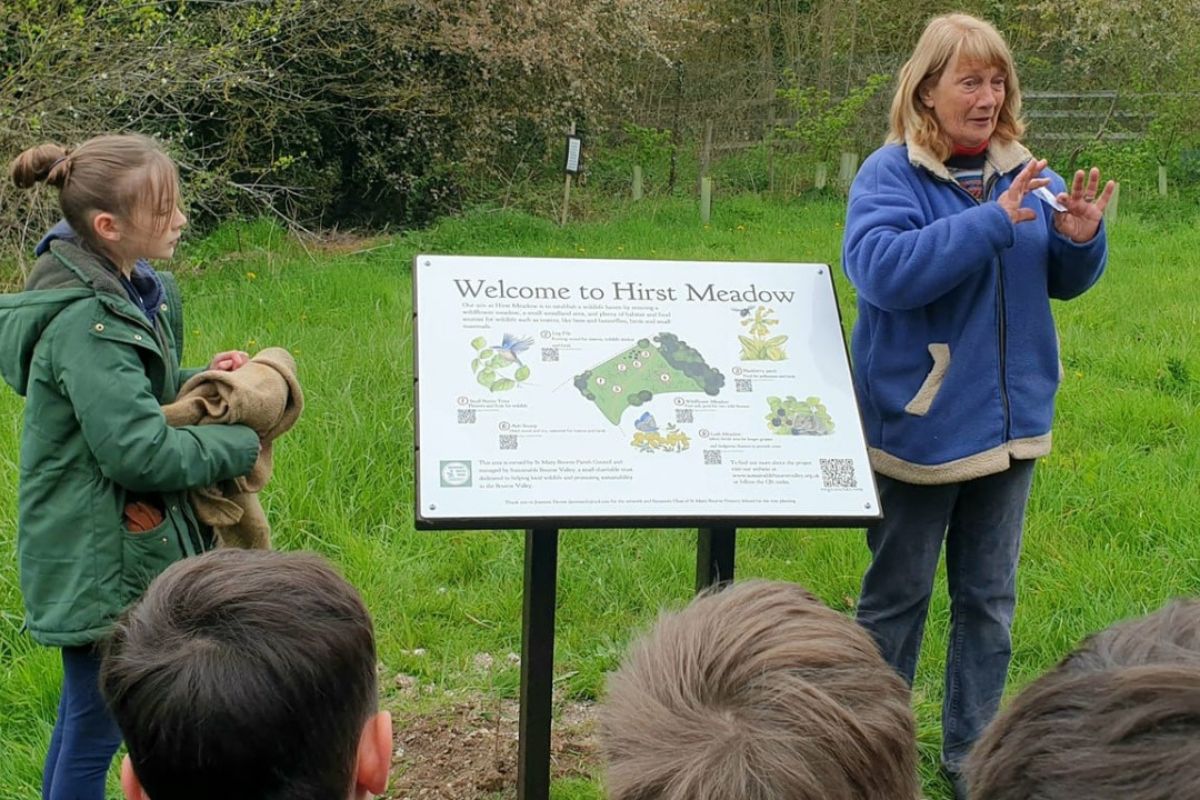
point(1110, 213)
point(706, 152)
point(675, 132)
point(567, 190)
point(848, 167)
point(637, 182)
point(705, 199)
point(821, 175)
point(1162, 179)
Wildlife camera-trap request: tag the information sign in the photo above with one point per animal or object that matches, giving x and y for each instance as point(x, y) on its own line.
point(604, 393)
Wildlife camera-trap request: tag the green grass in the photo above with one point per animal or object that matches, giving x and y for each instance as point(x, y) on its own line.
point(1111, 527)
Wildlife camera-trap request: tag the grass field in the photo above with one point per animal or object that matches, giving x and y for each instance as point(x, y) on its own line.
point(1112, 528)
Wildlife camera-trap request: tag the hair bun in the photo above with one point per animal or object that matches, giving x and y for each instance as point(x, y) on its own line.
point(47, 162)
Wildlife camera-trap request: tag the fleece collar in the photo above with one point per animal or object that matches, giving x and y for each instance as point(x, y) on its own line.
point(1003, 157)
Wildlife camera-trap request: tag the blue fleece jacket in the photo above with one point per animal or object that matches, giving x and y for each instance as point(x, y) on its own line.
point(954, 349)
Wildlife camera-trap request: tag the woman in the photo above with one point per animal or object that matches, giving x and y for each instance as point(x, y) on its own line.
point(955, 260)
point(91, 346)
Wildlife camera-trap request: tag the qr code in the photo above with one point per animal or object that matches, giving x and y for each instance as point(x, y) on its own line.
point(508, 442)
point(466, 416)
point(549, 354)
point(838, 473)
point(683, 415)
point(743, 385)
point(712, 456)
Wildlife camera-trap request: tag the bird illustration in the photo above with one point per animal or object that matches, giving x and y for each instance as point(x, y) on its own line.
point(745, 312)
point(510, 348)
point(645, 423)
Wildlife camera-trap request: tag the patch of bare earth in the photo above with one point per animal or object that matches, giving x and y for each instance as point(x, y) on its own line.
point(469, 750)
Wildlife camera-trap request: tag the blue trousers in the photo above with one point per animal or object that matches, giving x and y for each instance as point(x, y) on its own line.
point(980, 521)
point(85, 737)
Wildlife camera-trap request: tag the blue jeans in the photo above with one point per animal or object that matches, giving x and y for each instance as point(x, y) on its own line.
point(85, 737)
point(980, 521)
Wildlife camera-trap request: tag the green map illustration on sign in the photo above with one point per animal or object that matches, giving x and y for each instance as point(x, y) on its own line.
point(634, 376)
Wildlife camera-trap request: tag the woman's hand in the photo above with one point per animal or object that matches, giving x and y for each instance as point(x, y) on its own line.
point(229, 360)
point(1081, 220)
point(1025, 182)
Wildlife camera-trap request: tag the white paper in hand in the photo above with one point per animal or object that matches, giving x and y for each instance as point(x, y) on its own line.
point(1049, 199)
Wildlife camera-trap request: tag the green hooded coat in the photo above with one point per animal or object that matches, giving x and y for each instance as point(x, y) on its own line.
point(94, 375)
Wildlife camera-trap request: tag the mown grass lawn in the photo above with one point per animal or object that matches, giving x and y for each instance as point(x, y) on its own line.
point(1112, 529)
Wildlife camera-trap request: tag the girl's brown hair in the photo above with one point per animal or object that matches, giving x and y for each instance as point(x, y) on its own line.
point(123, 174)
point(945, 37)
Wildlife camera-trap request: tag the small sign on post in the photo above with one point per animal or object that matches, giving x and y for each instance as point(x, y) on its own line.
point(571, 165)
point(574, 150)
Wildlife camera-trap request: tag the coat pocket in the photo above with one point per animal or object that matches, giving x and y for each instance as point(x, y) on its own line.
point(145, 554)
point(922, 401)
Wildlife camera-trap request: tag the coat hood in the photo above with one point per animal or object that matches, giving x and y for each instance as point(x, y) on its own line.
point(64, 275)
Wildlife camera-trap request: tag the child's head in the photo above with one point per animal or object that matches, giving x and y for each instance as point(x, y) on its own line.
point(247, 675)
point(1118, 719)
point(757, 692)
point(119, 193)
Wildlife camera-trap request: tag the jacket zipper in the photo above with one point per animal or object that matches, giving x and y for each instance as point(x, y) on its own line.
point(1001, 324)
point(191, 532)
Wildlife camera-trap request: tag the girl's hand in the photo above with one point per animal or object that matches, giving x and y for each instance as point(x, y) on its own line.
point(1025, 182)
point(1081, 220)
point(229, 360)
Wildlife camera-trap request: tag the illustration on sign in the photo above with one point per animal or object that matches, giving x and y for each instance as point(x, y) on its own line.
point(499, 367)
point(649, 438)
point(792, 417)
point(634, 376)
point(760, 345)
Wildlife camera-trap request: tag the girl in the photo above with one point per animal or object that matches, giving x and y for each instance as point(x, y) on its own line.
point(92, 344)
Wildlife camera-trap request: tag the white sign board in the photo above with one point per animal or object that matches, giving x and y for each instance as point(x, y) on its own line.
point(588, 392)
point(574, 148)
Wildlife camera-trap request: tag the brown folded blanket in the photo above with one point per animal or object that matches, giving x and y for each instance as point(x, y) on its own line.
point(264, 395)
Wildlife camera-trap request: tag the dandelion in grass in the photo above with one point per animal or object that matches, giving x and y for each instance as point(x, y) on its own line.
point(250, 276)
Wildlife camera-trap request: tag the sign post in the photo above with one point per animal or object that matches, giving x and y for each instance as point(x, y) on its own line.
point(571, 166)
point(573, 393)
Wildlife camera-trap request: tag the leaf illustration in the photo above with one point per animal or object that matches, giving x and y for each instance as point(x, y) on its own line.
point(479, 343)
point(775, 341)
point(487, 378)
point(496, 362)
point(474, 365)
point(503, 385)
point(522, 374)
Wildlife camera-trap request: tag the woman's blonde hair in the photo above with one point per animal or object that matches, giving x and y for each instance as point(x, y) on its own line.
point(121, 174)
point(945, 37)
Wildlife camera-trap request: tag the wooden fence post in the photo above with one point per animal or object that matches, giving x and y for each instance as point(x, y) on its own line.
point(637, 182)
point(1110, 213)
point(848, 168)
point(821, 175)
point(705, 199)
point(1162, 179)
point(706, 152)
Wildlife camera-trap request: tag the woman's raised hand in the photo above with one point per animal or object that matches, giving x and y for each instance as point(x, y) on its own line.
point(1025, 182)
point(1081, 220)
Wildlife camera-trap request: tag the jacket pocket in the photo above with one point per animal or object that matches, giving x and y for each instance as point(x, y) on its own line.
point(146, 554)
point(922, 401)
